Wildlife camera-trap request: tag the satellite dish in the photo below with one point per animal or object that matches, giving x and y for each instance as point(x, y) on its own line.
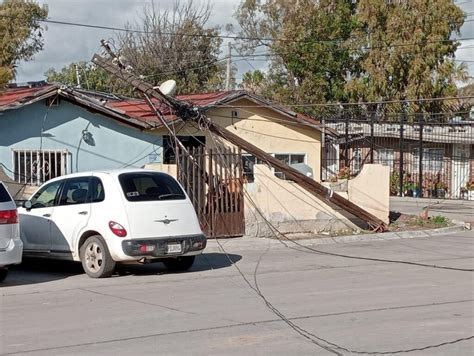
point(168, 87)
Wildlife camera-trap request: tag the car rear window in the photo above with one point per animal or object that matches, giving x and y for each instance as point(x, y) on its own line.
point(4, 196)
point(149, 186)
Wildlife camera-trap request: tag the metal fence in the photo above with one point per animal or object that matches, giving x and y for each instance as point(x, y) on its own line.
point(427, 158)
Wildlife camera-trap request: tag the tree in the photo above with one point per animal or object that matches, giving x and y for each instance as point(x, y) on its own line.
point(406, 54)
point(350, 51)
point(308, 62)
point(91, 77)
point(175, 44)
point(20, 34)
point(253, 81)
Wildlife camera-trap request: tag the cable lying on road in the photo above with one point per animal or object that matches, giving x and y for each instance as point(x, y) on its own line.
point(315, 339)
point(276, 233)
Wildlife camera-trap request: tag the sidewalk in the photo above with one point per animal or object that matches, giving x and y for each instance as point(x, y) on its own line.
point(462, 210)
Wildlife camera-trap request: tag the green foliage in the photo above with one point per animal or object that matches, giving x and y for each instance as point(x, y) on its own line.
point(394, 183)
point(391, 70)
point(303, 69)
point(20, 34)
point(439, 220)
point(168, 45)
point(346, 51)
point(253, 81)
point(91, 77)
point(432, 222)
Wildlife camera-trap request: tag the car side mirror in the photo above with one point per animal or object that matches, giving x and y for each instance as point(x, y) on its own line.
point(27, 204)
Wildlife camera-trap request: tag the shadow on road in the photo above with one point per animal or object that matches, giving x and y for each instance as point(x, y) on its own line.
point(40, 270)
point(204, 262)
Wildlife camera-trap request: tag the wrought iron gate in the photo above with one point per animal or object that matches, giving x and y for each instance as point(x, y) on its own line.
point(214, 182)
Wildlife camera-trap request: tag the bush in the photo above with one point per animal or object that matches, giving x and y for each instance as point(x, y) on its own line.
point(439, 220)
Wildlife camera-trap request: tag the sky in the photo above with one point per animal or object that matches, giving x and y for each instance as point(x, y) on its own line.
point(65, 44)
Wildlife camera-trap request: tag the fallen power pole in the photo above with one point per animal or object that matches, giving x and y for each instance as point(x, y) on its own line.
point(186, 111)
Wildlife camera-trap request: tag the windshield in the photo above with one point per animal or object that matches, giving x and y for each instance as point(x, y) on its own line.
point(149, 186)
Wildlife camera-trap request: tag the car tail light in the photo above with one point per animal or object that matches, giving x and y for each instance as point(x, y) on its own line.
point(8, 216)
point(147, 248)
point(117, 229)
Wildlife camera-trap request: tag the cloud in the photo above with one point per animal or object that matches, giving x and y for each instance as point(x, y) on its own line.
point(66, 44)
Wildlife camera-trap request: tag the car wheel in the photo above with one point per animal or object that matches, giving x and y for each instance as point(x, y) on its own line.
point(3, 273)
point(182, 263)
point(96, 259)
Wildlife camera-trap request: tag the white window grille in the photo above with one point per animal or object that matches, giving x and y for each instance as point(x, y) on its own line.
point(37, 167)
point(356, 163)
point(432, 159)
point(385, 157)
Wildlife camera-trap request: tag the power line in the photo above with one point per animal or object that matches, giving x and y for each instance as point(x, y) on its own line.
point(233, 37)
point(334, 348)
point(356, 104)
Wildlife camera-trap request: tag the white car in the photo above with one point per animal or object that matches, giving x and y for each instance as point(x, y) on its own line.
point(10, 244)
point(109, 217)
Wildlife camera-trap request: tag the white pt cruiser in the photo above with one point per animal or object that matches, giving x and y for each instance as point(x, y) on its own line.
point(109, 217)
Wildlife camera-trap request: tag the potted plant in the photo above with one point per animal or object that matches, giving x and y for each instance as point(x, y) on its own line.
point(409, 189)
point(441, 189)
point(416, 191)
point(394, 183)
point(429, 186)
point(470, 190)
point(344, 173)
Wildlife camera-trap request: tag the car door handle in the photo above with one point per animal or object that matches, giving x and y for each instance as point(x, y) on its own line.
point(47, 215)
point(82, 213)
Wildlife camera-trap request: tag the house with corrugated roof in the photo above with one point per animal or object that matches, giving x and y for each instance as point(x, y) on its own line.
point(69, 130)
point(50, 130)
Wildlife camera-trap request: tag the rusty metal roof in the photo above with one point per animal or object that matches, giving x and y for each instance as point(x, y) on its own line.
point(136, 111)
point(17, 97)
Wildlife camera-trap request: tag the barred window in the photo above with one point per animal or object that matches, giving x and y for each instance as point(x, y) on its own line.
point(385, 157)
point(432, 159)
point(248, 161)
point(289, 159)
point(37, 167)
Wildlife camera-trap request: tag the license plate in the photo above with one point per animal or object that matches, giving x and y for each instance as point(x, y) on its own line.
point(173, 248)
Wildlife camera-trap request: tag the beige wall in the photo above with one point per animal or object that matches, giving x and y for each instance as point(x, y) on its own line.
point(289, 207)
point(370, 190)
point(266, 129)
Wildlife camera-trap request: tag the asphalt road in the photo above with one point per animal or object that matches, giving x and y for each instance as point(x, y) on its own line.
point(52, 308)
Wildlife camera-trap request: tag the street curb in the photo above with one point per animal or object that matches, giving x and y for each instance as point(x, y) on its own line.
point(257, 243)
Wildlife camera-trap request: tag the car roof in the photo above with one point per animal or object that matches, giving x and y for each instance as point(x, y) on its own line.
point(112, 172)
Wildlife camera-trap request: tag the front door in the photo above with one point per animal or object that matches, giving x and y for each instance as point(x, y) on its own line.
point(71, 214)
point(35, 223)
point(460, 169)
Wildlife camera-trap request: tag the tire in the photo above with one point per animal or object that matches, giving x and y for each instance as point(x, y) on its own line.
point(96, 259)
point(3, 273)
point(179, 264)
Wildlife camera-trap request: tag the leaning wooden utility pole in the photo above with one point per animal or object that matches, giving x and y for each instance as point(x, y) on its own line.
point(187, 111)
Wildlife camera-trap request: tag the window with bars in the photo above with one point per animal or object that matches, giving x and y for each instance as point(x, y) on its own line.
point(385, 157)
point(432, 159)
point(37, 167)
point(289, 159)
point(248, 161)
point(356, 163)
